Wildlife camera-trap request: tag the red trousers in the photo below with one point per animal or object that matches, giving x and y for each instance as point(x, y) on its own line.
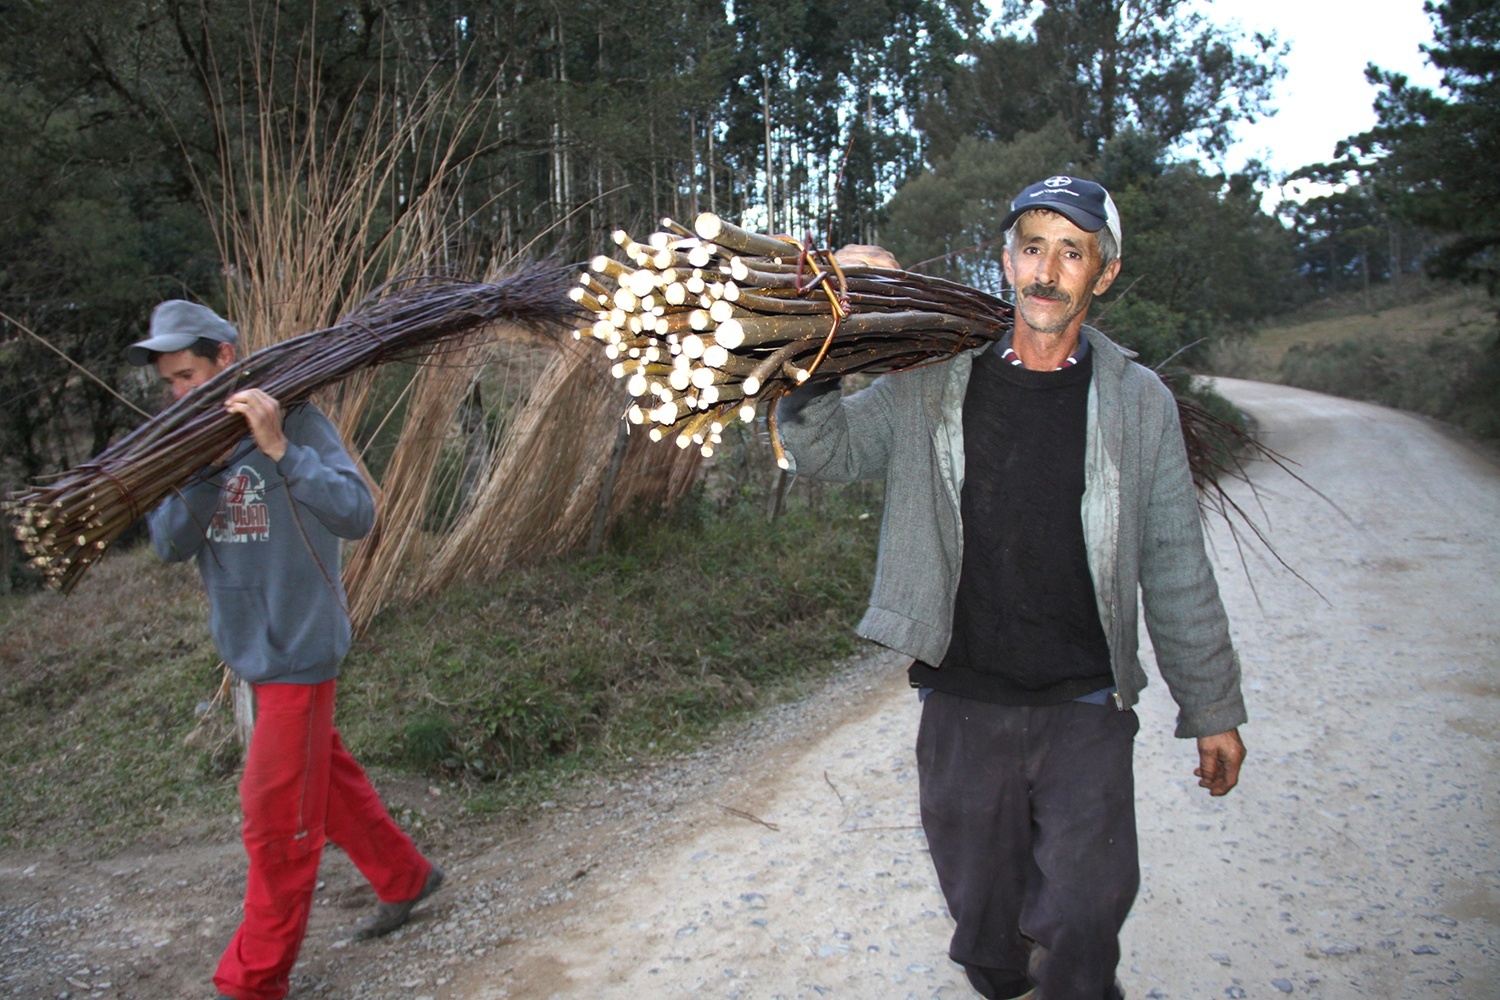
point(299, 789)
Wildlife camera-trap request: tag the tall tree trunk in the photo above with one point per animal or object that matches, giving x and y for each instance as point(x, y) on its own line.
point(562, 107)
point(651, 146)
point(765, 112)
point(1394, 267)
point(559, 209)
point(1109, 74)
point(713, 203)
point(1364, 270)
point(693, 184)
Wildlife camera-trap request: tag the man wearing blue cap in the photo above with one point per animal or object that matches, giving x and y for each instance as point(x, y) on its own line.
point(264, 524)
point(1035, 490)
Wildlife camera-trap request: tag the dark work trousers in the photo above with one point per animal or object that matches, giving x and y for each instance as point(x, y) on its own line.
point(1030, 817)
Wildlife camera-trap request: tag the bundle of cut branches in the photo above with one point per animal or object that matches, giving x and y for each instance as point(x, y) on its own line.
point(704, 324)
point(67, 524)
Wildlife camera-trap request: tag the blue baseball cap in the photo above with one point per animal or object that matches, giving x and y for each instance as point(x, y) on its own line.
point(1086, 204)
point(178, 324)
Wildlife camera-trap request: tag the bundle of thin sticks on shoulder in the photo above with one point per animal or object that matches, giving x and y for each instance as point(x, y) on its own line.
point(705, 324)
point(66, 523)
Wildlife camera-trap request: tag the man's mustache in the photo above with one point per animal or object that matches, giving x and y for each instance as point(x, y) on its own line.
point(1035, 290)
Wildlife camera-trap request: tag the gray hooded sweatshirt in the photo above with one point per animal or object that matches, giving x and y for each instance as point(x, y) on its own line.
point(266, 536)
point(1140, 521)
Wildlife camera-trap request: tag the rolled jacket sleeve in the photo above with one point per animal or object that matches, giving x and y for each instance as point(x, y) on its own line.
point(838, 438)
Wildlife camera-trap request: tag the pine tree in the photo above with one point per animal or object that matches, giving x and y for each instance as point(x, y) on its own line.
point(1434, 160)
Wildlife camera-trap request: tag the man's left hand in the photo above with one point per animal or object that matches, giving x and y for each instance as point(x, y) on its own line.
point(864, 255)
point(1219, 759)
point(263, 414)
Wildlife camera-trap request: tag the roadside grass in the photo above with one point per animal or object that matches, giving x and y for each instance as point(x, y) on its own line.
point(1441, 312)
point(1436, 355)
point(685, 621)
point(100, 689)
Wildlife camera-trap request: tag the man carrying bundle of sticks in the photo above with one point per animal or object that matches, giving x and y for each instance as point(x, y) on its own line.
point(264, 524)
point(1033, 489)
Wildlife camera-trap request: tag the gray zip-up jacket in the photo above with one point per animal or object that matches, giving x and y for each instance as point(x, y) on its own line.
point(266, 535)
point(1140, 521)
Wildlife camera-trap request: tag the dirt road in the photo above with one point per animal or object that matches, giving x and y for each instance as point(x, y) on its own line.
point(1360, 856)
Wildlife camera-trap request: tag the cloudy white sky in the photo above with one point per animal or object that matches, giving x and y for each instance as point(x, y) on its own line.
point(1324, 96)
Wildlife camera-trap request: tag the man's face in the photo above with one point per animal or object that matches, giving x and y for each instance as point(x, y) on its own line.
point(183, 371)
point(1055, 271)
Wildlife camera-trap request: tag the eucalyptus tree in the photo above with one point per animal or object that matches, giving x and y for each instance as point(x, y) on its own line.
point(1128, 91)
point(946, 221)
point(819, 110)
point(1161, 67)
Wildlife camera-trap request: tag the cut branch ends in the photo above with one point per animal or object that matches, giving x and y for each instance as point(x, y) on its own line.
point(704, 324)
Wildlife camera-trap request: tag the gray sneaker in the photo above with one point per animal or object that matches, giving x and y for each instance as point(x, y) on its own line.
point(389, 916)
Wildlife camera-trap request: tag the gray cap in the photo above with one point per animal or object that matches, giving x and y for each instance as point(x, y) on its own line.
point(177, 325)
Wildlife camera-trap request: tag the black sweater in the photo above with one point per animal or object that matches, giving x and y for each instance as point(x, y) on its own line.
point(1025, 623)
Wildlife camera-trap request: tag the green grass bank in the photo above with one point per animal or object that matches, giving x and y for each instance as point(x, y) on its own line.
point(1434, 350)
point(684, 622)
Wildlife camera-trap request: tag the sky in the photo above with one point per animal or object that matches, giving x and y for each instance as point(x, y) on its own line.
point(1324, 96)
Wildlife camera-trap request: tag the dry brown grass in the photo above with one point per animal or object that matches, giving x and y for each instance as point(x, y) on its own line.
point(308, 226)
point(1463, 311)
point(539, 493)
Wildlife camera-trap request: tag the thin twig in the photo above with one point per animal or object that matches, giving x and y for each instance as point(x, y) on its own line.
point(956, 253)
point(834, 787)
point(731, 810)
point(838, 181)
point(52, 347)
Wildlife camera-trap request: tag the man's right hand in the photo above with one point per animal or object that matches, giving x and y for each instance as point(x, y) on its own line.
point(1219, 760)
point(263, 414)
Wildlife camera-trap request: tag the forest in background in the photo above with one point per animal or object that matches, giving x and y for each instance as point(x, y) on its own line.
point(905, 122)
